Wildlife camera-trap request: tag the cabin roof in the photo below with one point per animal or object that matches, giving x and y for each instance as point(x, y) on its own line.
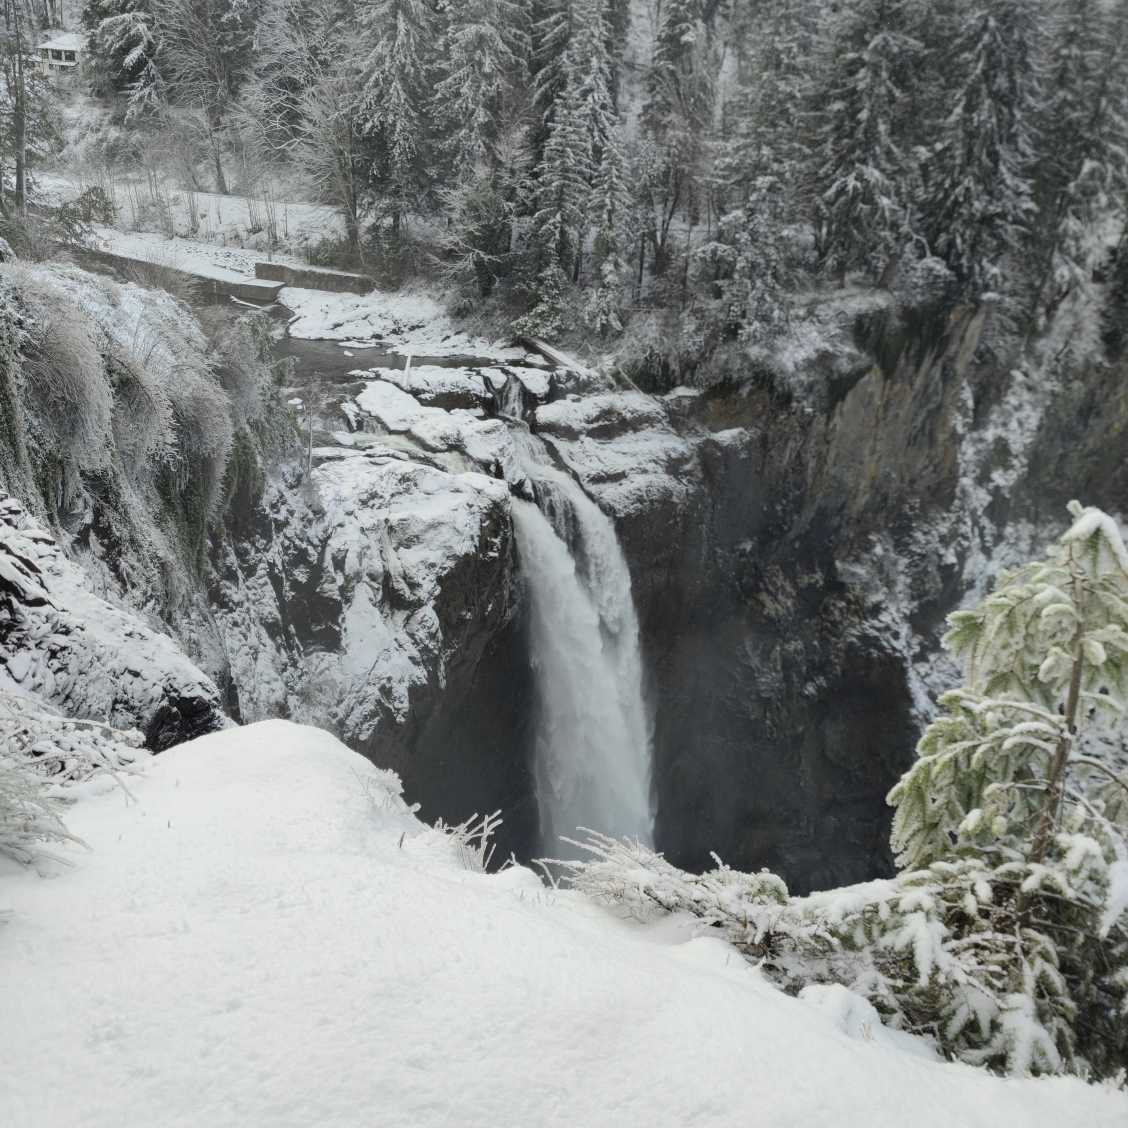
point(68, 41)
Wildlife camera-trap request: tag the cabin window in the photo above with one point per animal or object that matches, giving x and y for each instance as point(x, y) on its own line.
point(56, 54)
point(69, 56)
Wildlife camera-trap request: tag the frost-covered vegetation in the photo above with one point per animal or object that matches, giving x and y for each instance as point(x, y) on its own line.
point(675, 179)
point(41, 751)
point(129, 422)
point(1005, 936)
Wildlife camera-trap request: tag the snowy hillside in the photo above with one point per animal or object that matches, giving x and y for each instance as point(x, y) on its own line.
point(269, 937)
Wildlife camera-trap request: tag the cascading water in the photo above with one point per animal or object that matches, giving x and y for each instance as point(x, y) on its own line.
point(592, 752)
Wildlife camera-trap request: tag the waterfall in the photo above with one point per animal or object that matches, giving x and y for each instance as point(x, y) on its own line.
point(592, 751)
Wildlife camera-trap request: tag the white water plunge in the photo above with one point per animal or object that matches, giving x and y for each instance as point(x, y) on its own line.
point(592, 752)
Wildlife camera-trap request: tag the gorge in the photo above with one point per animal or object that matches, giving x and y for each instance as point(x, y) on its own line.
point(392, 570)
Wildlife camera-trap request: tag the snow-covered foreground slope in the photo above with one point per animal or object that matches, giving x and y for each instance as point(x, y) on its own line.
point(269, 937)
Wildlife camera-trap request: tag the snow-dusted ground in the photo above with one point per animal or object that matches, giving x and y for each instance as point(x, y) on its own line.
point(260, 942)
point(405, 321)
point(229, 263)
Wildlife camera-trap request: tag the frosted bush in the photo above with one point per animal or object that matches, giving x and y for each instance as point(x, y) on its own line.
point(471, 838)
point(384, 790)
point(68, 395)
point(41, 752)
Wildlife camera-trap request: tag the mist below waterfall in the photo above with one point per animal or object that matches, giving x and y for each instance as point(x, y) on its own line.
point(592, 748)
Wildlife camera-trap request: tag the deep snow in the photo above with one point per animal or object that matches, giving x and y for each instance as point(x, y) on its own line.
point(251, 945)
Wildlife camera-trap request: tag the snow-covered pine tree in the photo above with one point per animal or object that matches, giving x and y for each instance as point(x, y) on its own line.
point(122, 47)
point(484, 213)
point(759, 167)
point(583, 121)
point(553, 22)
point(1012, 836)
point(601, 311)
point(681, 26)
point(483, 52)
point(864, 166)
point(1081, 176)
point(752, 250)
point(976, 198)
point(560, 223)
point(400, 38)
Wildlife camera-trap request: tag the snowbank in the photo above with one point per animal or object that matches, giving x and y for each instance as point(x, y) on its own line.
point(260, 942)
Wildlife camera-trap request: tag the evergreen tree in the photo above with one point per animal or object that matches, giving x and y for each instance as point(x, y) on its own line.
point(865, 169)
point(759, 169)
point(122, 47)
point(1082, 167)
point(400, 36)
point(554, 22)
point(751, 255)
point(560, 222)
point(977, 196)
point(583, 123)
point(483, 212)
point(601, 312)
point(484, 51)
point(1014, 833)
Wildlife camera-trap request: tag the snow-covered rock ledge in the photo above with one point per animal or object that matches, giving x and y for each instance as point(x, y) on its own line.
point(65, 645)
point(269, 937)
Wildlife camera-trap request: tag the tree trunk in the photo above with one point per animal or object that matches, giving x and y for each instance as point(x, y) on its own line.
point(889, 271)
point(1043, 832)
point(21, 125)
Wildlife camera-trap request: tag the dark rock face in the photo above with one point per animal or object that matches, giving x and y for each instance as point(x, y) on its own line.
point(465, 747)
point(179, 719)
point(781, 689)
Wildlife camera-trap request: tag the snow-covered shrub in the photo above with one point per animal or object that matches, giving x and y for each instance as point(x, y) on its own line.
point(68, 394)
point(384, 791)
point(1005, 936)
point(471, 838)
point(41, 751)
point(143, 425)
point(746, 907)
point(27, 816)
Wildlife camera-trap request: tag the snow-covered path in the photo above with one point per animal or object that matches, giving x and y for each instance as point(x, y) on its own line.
point(252, 945)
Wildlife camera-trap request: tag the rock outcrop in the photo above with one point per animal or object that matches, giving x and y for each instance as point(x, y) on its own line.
point(63, 644)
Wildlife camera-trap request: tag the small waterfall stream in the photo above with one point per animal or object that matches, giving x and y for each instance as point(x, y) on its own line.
point(592, 749)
